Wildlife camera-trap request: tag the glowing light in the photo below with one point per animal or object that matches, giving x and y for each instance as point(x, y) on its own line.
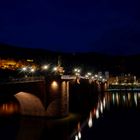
point(97, 114)
point(24, 68)
point(55, 69)
point(96, 76)
point(75, 70)
point(54, 85)
point(124, 98)
point(45, 67)
point(89, 73)
point(116, 83)
point(79, 135)
point(101, 107)
point(77, 74)
point(76, 137)
point(90, 123)
point(135, 99)
point(32, 70)
point(104, 103)
point(92, 77)
point(78, 70)
point(117, 98)
point(113, 98)
point(100, 77)
point(103, 80)
point(129, 96)
point(30, 60)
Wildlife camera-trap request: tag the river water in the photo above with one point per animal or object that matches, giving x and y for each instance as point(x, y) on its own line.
point(113, 116)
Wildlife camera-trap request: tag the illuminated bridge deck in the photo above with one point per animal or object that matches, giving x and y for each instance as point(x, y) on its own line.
point(124, 87)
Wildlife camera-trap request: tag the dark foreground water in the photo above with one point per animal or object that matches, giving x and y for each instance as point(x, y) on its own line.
point(116, 116)
point(113, 116)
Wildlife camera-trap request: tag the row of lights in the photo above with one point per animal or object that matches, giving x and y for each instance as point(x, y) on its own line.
point(30, 69)
point(89, 75)
point(94, 114)
point(77, 72)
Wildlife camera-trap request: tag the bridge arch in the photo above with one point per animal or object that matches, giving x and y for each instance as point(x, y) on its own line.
point(30, 104)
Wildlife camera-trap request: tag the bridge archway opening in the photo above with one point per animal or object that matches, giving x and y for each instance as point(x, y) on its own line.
point(30, 104)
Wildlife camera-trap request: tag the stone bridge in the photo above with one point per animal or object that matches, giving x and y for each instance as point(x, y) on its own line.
point(47, 96)
point(39, 97)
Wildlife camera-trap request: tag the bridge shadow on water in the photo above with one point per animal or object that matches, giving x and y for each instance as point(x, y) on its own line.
point(13, 126)
point(37, 128)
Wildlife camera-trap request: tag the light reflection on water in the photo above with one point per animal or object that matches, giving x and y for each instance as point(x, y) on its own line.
point(8, 108)
point(71, 127)
point(120, 100)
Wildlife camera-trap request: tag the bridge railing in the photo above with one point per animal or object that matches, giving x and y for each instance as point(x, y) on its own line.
point(25, 79)
point(68, 77)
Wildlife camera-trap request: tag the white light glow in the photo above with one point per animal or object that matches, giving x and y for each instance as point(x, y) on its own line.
point(113, 98)
point(32, 70)
point(124, 98)
point(96, 76)
point(135, 99)
point(78, 70)
point(76, 137)
point(75, 70)
point(100, 77)
point(101, 107)
point(89, 73)
point(79, 135)
point(24, 68)
point(104, 103)
point(90, 122)
point(55, 69)
point(97, 114)
point(45, 67)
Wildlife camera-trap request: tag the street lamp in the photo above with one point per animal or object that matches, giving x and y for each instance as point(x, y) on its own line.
point(55, 69)
point(32, 70)
point(77, 71)
point(45, 67)
point(24, 69)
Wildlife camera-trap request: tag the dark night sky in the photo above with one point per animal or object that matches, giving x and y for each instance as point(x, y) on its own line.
point(70, 25)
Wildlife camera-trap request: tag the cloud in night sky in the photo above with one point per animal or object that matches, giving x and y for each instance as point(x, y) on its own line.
point(102, 26)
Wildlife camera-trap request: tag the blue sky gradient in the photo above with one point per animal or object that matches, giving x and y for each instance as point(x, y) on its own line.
point(72, 26)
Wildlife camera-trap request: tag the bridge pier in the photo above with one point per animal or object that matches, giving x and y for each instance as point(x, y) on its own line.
point(58, 98)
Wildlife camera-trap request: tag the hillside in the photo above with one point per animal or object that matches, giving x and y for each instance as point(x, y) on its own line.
point(88, 61)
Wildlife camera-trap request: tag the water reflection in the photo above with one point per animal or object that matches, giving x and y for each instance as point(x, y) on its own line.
point(43, 128)
point(118, 100)
point(8, 107)
point(90, 122)
point(13, 126)
point(36, 128)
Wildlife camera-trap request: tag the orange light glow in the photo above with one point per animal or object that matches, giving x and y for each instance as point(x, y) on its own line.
point(54, 85)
